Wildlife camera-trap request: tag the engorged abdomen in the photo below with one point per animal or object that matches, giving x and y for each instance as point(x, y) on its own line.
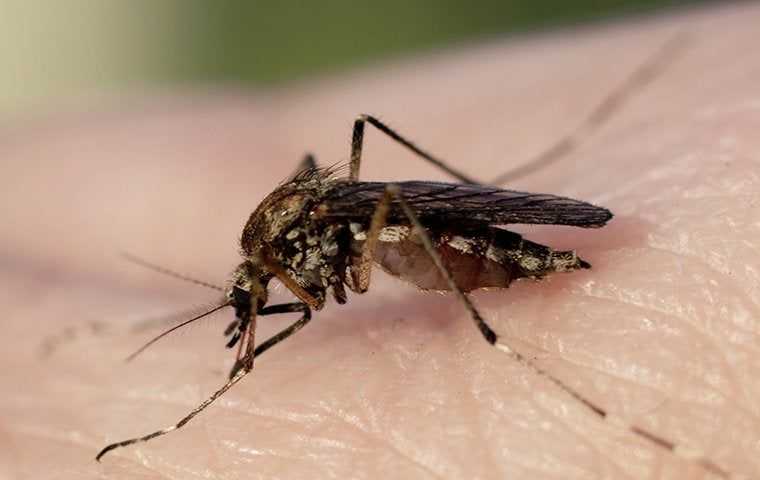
point(489, 258)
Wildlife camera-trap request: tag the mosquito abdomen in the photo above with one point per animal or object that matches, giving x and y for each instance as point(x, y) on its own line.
point(532, 259)
point(482, 258)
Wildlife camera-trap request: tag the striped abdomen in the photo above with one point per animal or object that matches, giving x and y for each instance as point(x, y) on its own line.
point(492, 257)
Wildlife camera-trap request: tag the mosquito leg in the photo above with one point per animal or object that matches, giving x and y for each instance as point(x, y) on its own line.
point(243, 360)
point(272, 341)
point(235, 379)
point(606, 109)
point(357, 139)
point(246, 314)
point(494, 339)
point(285, 308)
point(361, 270)
point(296, 326)
point(278, 271)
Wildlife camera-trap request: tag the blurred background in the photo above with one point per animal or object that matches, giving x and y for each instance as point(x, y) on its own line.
point(53, 52)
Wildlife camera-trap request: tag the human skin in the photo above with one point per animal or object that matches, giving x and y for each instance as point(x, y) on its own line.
point(662, 332)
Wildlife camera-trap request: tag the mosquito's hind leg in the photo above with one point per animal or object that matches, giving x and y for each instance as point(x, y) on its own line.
point(492, 338)
point(246, 365)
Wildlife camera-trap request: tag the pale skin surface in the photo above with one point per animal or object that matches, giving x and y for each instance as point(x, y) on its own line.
point(663, 331)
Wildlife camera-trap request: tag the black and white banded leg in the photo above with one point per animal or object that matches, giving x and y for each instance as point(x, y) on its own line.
point(251, 353)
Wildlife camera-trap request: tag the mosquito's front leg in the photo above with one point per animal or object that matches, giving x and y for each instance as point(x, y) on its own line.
point(239, 374)
point(604, 111)
point(357, 140)
point(244, 356)
point(293, 328)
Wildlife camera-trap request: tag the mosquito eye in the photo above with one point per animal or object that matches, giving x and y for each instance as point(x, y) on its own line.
point(239, 296)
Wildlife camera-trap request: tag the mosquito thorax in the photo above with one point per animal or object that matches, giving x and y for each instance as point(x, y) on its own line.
point(289, 229)
point(283, 208)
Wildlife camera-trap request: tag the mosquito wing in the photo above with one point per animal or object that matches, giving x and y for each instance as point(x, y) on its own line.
point(440, 203)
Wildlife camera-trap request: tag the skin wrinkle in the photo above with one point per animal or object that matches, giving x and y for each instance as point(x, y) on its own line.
point(726, 370)
point(61, 438)
point(139, 461)
point(226, 405)
point(727, 278)
point(376, 440)
point(490, 455)
point(589, 440)
point(177, 469)
point(714, 341)
point(629, 301)
point(648, 308)
point(405, 457)
point(602, 372)
point(472, 393)
point(599, 371)
point(722, 269)
point(562, 424)
point(662, 391)
point(390, 446)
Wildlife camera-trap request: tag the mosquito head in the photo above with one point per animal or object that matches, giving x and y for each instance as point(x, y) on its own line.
point(248, 283)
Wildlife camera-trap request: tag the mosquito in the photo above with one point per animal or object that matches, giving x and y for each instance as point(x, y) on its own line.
point(320, 233)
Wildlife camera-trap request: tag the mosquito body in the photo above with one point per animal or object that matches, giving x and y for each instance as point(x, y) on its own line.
point(318, 227)
point(320, 234)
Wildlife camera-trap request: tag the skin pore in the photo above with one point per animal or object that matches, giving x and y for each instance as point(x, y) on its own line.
point(662, 330)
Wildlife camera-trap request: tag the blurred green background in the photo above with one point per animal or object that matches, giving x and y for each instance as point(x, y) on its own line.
point(53, 51)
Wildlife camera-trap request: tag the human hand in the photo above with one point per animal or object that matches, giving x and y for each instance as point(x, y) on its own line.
point(661, 331)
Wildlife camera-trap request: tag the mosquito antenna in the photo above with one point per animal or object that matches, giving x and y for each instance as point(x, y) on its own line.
point(166, 271)
point(176, 327)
